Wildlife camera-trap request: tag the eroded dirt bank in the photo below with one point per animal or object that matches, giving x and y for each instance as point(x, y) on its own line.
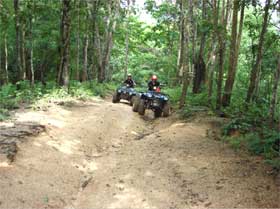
point(102, 155)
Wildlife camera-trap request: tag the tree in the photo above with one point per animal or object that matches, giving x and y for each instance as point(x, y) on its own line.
point(200, 67)
point(110, 29)
point(273, 102)
point(127, 38)
point(17, 43)
point(222, 46)
point(213, 51)
point(86, 45)
point(103, 49)
point(184, 51)
point(78, 43)
point(257, 67)
point(63, 73)
point(233, 57)
point(31, 18)
point(4, 15)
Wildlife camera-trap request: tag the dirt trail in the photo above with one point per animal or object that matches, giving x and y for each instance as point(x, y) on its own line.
point(102, 155)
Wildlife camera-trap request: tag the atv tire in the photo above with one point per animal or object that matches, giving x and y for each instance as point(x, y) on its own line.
point(157, 113)
point(135, 104)
point(166, 110)
point(132, 100)
point(116, 98)
point(141, 107)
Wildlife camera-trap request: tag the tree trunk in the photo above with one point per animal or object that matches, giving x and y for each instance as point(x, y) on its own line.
point(85, 67)
point(109, 39)
point(127, 39)
point(181, 43)
point(22, 51)
point(32, 79)
point(274, 92)
point(63, 75)
point(94, 14)
point(233, 56)
point(85, 75)
point(222, 47)
point(184, 54)
point(192, 34)
point(78, 45)
point(17, 42)
point(256, 69)
point(98, 52)
point(211, 76)
point(200, 67)
point(239, 37)
point(6, 80)
point(213, 54)
point(2, 72)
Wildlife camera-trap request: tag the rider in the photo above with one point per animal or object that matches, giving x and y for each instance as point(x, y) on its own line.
point(129, 81)
point(153, 83)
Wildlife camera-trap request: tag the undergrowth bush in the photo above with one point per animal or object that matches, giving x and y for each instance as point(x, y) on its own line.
point(265, 141)
point(12, 96)
point(173, 93)
point(4, 114)
point(248, 126)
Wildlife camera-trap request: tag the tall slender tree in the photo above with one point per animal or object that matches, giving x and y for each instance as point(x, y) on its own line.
point(17, 42)
point(222, 42)
point(199, 68)
point(257, 67)
point(85, 44)
point(63, 73)
point(127, 38)
point(233, 56)
point(273, 102)
point(184, 51)
point(78, 42)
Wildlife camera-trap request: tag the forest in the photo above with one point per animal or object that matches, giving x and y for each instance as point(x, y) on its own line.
point(222, 56)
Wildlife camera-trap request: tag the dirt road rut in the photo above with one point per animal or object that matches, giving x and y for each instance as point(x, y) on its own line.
point(102, 155)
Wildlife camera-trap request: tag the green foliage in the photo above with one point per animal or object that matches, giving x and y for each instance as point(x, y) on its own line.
point(174, 94)
point(234, 142)
point(4, 114)
point(236, 124)
point(8, 97)
point(12, 96)
point(266, 143)
point(258, 140)
point(275, 163)
point(198, 99)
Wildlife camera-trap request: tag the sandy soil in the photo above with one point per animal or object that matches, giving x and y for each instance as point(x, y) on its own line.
point(102, 155)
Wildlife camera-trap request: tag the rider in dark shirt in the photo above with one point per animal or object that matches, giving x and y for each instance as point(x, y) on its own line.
point(129, 81)
point(153, 83)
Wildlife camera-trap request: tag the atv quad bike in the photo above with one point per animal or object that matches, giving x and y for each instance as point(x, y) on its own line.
point(125, 93)
point(154, 100)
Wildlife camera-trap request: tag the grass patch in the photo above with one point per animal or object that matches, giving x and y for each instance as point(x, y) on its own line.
point(13, 96)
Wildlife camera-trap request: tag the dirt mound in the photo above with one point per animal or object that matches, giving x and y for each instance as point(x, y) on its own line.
point(13, 133)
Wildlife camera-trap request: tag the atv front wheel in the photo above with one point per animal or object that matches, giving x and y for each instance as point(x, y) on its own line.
point(157, 113)
point(166, 110)
point(141, 107)
point(135, 104)
point(132, 100)
point(116, 98)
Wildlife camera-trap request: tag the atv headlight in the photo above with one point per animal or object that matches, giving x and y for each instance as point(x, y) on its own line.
point(156, 103)
point(149, 95)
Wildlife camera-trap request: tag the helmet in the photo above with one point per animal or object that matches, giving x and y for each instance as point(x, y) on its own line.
point(129, 75)
point(154, 77)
